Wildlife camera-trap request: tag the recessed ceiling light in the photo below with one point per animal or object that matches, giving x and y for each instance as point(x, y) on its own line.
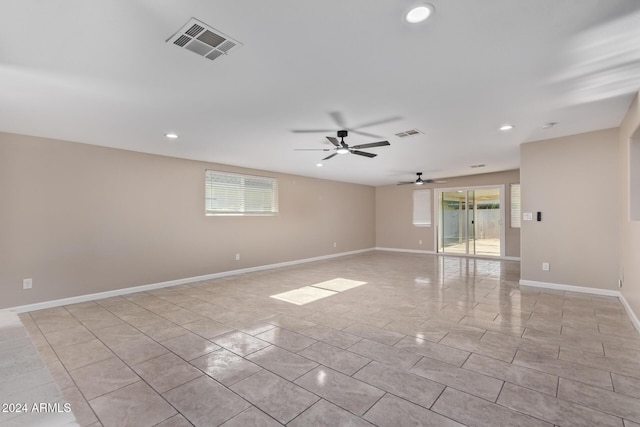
point(477, 166)
point(419, 13)
point(319, 165)
point(506, 128)
point(171, 135)
point(549, 125)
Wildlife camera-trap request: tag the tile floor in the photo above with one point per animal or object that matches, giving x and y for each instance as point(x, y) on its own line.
point(25, 381)
point(427, 340)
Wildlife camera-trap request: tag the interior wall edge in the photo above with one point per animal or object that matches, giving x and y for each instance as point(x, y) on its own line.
point(586, 290)
point(630, 312)
point(570, 288)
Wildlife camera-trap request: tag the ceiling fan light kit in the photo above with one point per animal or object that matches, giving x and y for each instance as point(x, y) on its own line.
point(341, 147)
point(421, 181)
point(419, 13)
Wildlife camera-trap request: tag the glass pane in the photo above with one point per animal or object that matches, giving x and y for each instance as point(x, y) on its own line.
point(229, 193)
point(452, 222)
point(487, 225)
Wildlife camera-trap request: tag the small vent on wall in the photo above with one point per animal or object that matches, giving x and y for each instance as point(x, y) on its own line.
point(204, 40)
point(410, 132)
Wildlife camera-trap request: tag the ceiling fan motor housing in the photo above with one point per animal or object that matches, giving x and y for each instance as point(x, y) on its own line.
point(342, 133)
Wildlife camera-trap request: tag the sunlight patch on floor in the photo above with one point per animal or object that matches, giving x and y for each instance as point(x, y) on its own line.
point(303, 295)
point(311, 293)
point(339, 284)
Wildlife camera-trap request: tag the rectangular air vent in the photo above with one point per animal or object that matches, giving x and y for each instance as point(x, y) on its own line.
point(410, 132)
point(204, 40)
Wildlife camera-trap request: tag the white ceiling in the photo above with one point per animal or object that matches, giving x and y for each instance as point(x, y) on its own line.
point(100, 72)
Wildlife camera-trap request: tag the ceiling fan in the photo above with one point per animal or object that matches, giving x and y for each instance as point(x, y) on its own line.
point(338, 118)
point(341, 147)
point(421, 181)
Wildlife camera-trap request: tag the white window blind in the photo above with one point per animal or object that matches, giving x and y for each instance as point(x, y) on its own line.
point(516, 210)
point(229, 193)
point(422, 208)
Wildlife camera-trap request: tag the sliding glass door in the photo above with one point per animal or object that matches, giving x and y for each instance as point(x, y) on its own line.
point(453, 217)
point(471, 221)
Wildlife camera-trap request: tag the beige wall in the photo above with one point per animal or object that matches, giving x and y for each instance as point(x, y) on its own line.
point(629, 230)
point(394, 213)
point(82, 219)
point(573, 182)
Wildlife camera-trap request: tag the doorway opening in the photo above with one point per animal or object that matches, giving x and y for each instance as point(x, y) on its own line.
point(471, 221)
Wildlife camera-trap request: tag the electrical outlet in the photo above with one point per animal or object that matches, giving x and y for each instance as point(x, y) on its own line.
point(420, 242)
point(545, 266)
point(27, 283)
point(237, 257)
point(335, 244)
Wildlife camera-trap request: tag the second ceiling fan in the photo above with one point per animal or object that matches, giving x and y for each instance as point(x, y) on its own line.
point(341, 147)
point(421, 181)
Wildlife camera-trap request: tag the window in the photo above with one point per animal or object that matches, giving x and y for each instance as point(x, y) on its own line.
point(422, 208)
point(516, 210)
point(236, 194)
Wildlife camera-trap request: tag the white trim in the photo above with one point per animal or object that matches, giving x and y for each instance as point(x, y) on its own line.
point(570, 288)
point(410, 251)
point(585, 290)
point(419, 251)
point(632, 315)
point(134, 289)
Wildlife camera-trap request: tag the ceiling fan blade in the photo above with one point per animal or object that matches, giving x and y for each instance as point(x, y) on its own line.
point(338, 118)
point(371, 145)
point(434, 181)
point(334, 141)
point(379, 122)
point(362, 153)
point(365, 133)
point(406, 182)
point(313, 149)
point(312, 130)
point(332, 155)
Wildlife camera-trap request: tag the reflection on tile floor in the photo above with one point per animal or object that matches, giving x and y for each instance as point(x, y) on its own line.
point(428, 340)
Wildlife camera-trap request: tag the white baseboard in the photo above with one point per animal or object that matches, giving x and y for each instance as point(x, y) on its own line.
point(586, 290)
point(410, 251)
point(570, 288)
point(632, 315)
point(419, 251)
point(131, 290)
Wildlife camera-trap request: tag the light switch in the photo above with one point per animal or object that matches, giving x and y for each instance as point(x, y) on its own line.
point(527, 216)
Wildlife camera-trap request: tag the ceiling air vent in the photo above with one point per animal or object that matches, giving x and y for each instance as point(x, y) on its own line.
point(200, 38)
point(411, 132)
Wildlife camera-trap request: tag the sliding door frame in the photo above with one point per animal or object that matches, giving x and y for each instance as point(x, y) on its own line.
point(436, 219)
